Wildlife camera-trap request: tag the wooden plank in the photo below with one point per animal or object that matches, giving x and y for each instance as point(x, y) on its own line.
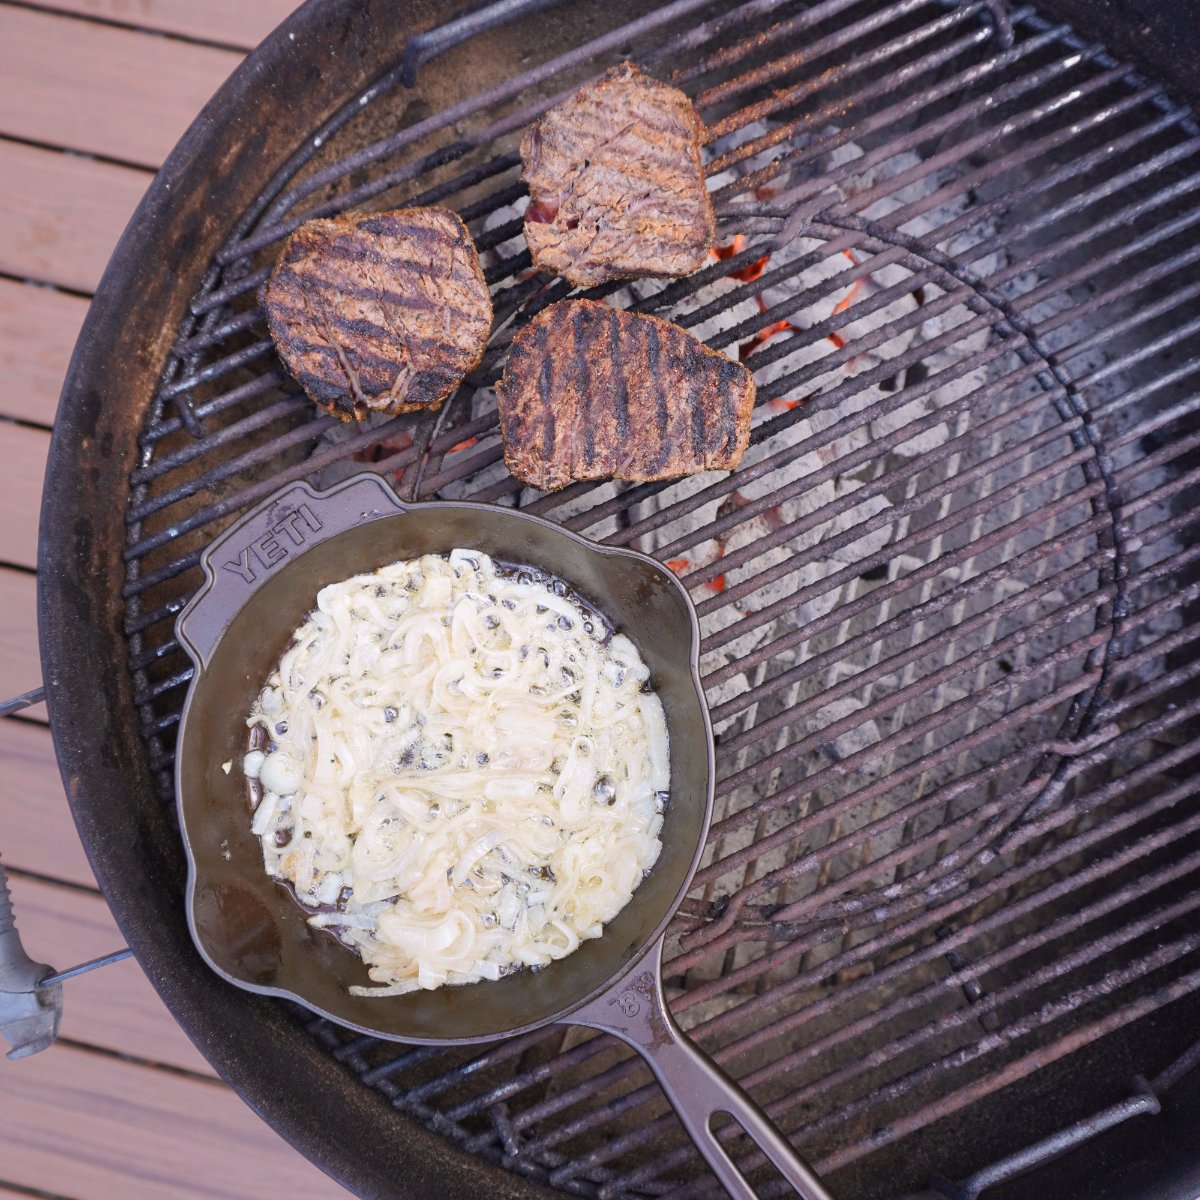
point(115, 1008)
point(226, 22)
point(20, 668)
point(36, 830)
point(141, 92)
point(38, 328)
point(23, 452)
point(81, 1125)
point(63, 214)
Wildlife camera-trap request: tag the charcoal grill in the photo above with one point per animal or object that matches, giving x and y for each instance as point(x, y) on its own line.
point(946, 929)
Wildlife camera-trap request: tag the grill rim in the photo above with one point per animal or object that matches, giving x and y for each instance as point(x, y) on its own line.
point(106, 776)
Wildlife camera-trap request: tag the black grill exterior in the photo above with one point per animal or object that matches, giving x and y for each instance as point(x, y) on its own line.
point(946, 928)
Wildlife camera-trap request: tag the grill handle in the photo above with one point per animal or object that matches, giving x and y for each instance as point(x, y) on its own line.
point(272, 536)
point(635, 1010)
point(29, 1011)
point(31, 992)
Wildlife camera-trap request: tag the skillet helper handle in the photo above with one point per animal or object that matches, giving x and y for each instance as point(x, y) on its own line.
point(266, 540)
point(635, 1010)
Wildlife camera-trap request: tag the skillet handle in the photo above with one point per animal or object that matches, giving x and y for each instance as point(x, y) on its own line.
point(264, 541)
point(635, 1010)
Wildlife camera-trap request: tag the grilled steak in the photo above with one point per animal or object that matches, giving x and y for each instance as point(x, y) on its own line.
point(615, 183)
point(590, 392)
point(379, 312)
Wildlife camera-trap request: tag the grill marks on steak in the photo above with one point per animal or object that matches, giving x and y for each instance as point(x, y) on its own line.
point(616, 184)
point(591, 392)
point(379, 312)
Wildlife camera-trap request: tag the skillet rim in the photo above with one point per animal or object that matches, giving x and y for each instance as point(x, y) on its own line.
point(406, 508)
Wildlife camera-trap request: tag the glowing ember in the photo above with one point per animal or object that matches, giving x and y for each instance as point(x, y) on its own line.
point(848, 299)
point(462, 445)
point(751, 271)
point(787, 404)
point(678, 564)
point(735, 247)
point(384, 449)
point(763, 336)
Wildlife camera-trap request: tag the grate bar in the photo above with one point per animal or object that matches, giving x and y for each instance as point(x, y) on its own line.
point(846, 316)
point(952, 670)
point(787, 918)
point(968, 1015)
point(946, 910)
point(277, 226)
point(803, 907)
point(1128, 854)
point(922, 537)
point(263, 385)
point(930, 995)
point(1037, 1060)
point(259, 419)
point(181, 383)
point(343, 202)
point(725, 56)
point(848, 883)
point(143, 621)
point(916, 651)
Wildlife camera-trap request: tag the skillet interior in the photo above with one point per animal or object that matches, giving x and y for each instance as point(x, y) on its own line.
point(254, 933)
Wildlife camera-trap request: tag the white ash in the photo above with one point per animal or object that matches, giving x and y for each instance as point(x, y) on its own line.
point(899, 473)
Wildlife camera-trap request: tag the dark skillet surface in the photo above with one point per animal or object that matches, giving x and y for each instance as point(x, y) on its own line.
point(252, 929)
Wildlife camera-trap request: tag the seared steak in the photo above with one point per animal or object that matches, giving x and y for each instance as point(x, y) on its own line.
point(590, 392)
point(379, 312)
point(615, 183)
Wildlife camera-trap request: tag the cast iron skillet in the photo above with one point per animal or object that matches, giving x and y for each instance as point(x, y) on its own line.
point(262, 577)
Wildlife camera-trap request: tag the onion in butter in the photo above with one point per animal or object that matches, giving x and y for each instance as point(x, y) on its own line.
point(462, 770)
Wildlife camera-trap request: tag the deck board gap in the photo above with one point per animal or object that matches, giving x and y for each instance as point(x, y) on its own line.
point(91, 18)
point(71, 152)
point(138, 1061)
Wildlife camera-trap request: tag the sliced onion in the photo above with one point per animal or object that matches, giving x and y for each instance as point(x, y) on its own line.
point(438, 746)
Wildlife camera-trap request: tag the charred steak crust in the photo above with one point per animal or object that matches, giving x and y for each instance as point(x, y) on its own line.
point(379, 312)
point(591, 392)
point(616, 184)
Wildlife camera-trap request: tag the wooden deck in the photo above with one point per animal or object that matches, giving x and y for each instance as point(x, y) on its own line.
point(93, 95)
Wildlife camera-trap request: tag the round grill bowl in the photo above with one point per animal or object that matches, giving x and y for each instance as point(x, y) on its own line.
point(99, 607)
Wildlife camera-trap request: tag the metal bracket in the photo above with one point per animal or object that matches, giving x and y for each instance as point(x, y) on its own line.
point(29, 1012)
point(30, 992)
point(1143, 1100)
point(1000, 21)
point(8, 707)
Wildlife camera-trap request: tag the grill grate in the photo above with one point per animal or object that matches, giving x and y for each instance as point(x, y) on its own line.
point(948, 600)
